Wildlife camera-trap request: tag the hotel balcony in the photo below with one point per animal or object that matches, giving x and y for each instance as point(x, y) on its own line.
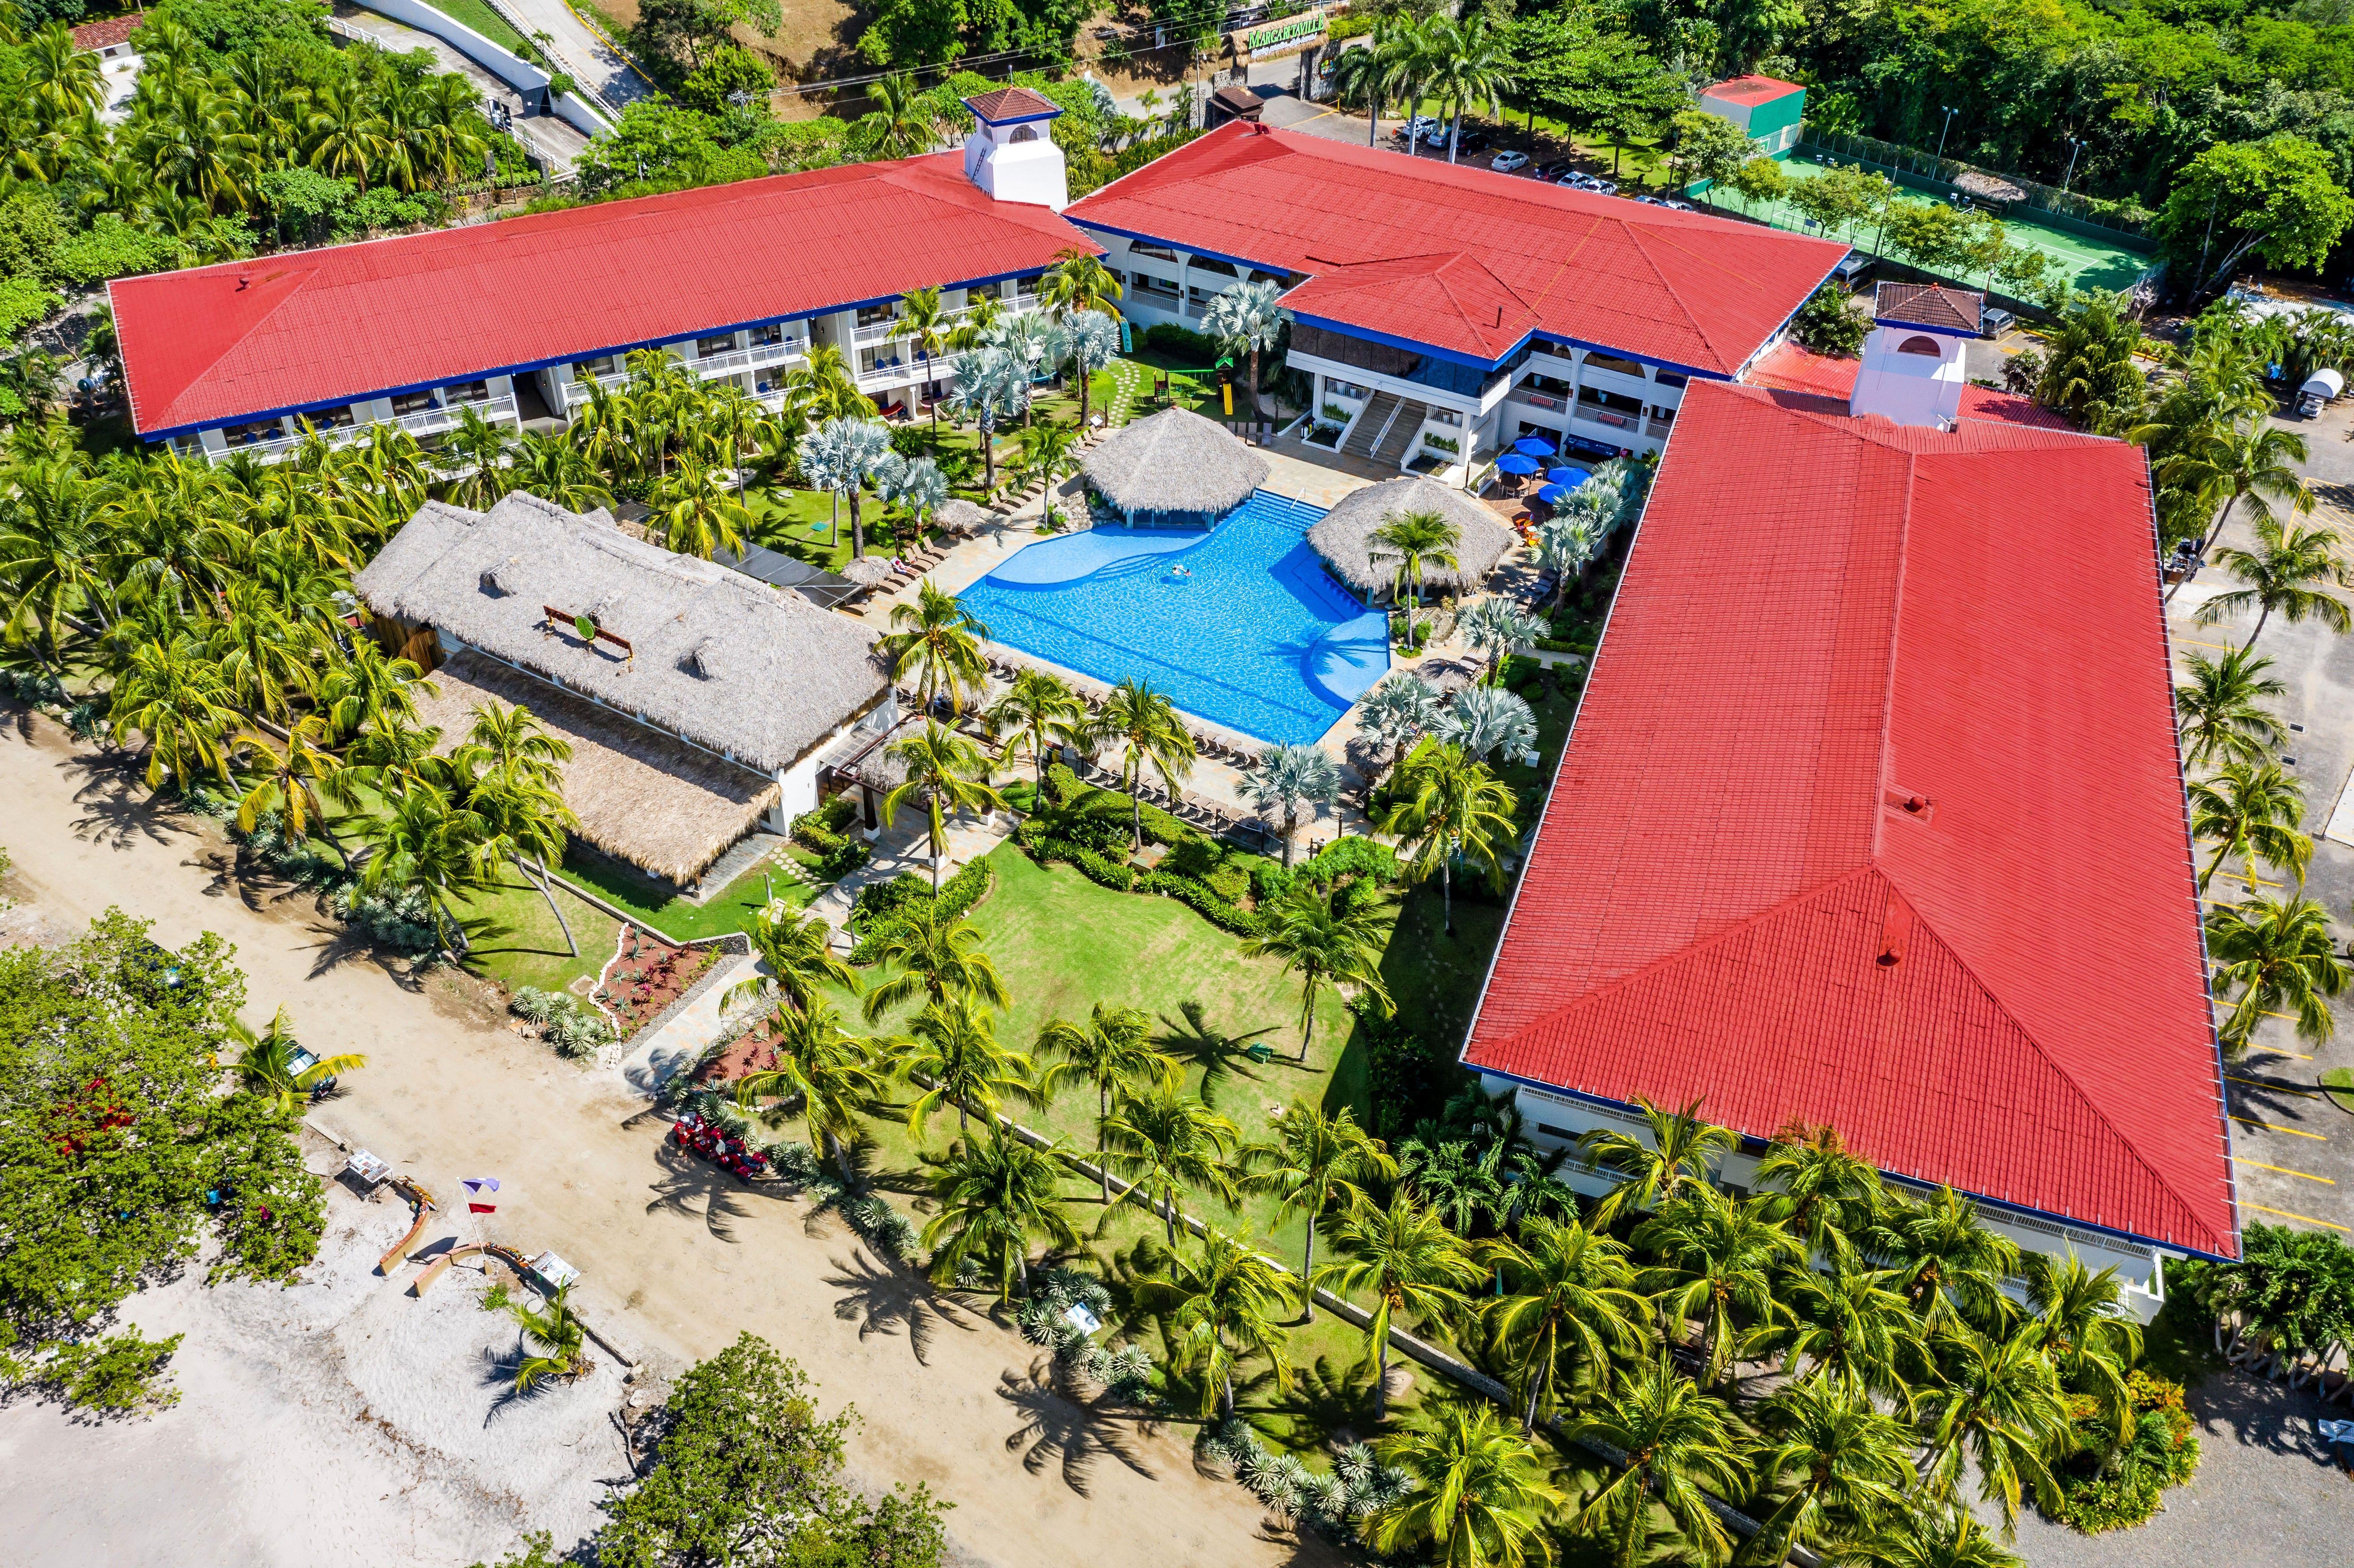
point(424, 422)
point(759, 356)
point(896, 330)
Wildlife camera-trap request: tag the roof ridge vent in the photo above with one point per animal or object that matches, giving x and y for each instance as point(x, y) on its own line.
point(504, 578)
point(709, 659)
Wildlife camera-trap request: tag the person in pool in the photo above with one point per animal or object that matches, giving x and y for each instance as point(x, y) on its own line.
point(1180, 571)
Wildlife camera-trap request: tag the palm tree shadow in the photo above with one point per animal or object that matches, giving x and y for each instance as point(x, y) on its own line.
point(691, 1186)
point(499, 1369)
point(1058, 1430)
point(1195, 1042)
point(884, 1299)
point(1328, 1404)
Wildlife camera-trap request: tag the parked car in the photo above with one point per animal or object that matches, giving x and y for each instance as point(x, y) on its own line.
point(1852, 266)
point(1650, 201)
point(1681, 205)
point(1560, 169)
point(1602, 187)
point(1420, 125)
point(1508, 161)
point(1994, 322)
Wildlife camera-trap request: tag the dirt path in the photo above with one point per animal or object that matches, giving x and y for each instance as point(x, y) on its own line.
point(674, 1256)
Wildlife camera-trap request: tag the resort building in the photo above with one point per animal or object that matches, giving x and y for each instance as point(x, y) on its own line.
point(1817, 850)
point(698, 702)
point(1768, 110)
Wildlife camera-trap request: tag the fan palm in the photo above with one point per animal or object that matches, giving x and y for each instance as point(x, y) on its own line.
point(1316, 1163)
point(2278, 955)
point(948, 773)
point(2286, 573)
point(1112, 1048)
point(1167, 1143)
point(1999, 1409)
point(1482, 720)
point(1677, 1151)
point(554, 1338)
point(937, 956)
point(939, 639)
point(1495, 626)
point(266, 1062)
point(1405, 1258)
point(1397, 713)
point(952, 1052)
point(1847, 1463)
point(1217, 1310)
point(1479, 1496)
point(1948, 1266)
point(1285, 778)
point(2221, 708)
point(990, 388)
point(1567, 1305)
point(1678, 1446)
point(1326, 936)
point(1041, 711)
point(2251, 809)
point(1145, 724)
point(796, 954)
point(1245, 319)
point(1566, 542)
point(814, 1060)
point(1717, 1263)
point(993, 1197)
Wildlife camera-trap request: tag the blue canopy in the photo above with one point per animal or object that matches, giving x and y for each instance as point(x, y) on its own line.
point(1534, 445)
point(1513, 462)
point(1553, 494)
point(1572, 477)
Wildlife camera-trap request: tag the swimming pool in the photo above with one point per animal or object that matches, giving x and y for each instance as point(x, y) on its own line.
point(1239, 626)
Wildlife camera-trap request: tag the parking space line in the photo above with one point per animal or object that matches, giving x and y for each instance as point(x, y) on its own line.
point(2308, 1219)
point(2268, 1127)
point(2327, 1180)
point(2254, 1083)
point(2219, 647)
point(2268, 1050)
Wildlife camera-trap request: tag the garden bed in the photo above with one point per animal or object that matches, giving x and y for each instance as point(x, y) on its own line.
point(646, 978)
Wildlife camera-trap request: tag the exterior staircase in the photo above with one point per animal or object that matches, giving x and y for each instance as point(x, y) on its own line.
point(1371, 425)
point(1405, 425)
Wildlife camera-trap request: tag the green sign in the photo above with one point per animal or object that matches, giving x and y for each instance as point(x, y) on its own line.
point(1308, 23)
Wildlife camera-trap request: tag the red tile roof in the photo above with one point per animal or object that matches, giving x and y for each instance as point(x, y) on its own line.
point(94, 36)
point(322, 327)
point(1011, 103)
point(1789, 368)
point(1466, 259)
point(1753, 89)
point(1928, 305)
point(1727, 898)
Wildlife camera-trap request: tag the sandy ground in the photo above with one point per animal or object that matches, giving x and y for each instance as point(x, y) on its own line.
point(676, 1258)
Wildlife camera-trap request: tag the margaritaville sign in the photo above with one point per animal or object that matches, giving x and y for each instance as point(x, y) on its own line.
point(1295, 32)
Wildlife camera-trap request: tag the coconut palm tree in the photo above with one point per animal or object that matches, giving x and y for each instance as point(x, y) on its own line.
point(1932, 1538)
point(425, 842)
point(1847, 1465)
point(1407, 1259)
point(1445, 807)
point(2286, 573)
point(903, 123)
point(993, 1197)
point(1112, 1048)
point(698, 514)
point(290, 777)
point(2251, 809)
point(1717, 1263)
point(1046, 456)
point(925, 321)
point(1679, 1445)
point(1479, 1497)
point(2250, 460)
point(1316, 1163)
point(2221, 708)
point(364, 684)
point(552, 468)
point(1853, 1324)
point(266, 1057)
point(936, 957)
point(952, 1053)
point(476, 454)
point(1284, 778)
point(1217, 1310)
point(796, 954)
point(2091, 1341)
point(1416, 541)
point(1949, 1268)
point(555, 1341)
point(1079, 284)
point(816, 1061)
point(1677, 1151)
point(1364, 73)
point(1167, 1143)
point(1821, 1189)
point(2279, 955)
point(1567, 1305)
point(1998, 1410)
point(51, 560)
point(1325, 936)
point(1145, 724)
point(1245, 319)
point(1467, 62)
point(948, 773)
point(172, 694)
point(1041, 711)
point(938, 640)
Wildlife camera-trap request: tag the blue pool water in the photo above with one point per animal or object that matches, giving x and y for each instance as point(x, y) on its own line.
point(1254, 637)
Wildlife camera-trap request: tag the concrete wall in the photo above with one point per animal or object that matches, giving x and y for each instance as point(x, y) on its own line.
point(515, 71)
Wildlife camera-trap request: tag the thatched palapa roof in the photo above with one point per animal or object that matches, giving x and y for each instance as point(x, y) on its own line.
point(755, 673)
point(640, 795)
point(1175, 460)
point(962, 516)
point(1343, 536)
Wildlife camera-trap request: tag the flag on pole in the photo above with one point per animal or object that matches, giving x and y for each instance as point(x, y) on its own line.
point(478, 1191)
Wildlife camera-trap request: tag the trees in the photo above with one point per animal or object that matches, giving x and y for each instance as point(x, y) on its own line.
point(1463, 64)
point(1285, 778)
point(1079, 283)
point(948, 772)
point(266, 1063)
point(1999, 1405)
point(1245, 319)
point(990, 388)
point(290, 777)
point(1167, 1143)
point(1820, 1187)
point(1566, 1308)
point(2286, 573)
point(1114, 1048)
point(2251, 809)
point(1847, 1463)
point(2076, 1321)
point(1400, 710)
point(171, 692)
point(1217, 1310)
point(939, 639)
point(816, 1061)
point(1407, 1259)
point(1495, 625)
point(1041, 710)
point(1145, 724)
point(1679, 1151)
point(2278, 198)
point(552, 1343)
point(2223, 718)
point(952, 1048)
point(2089, 372)
point(429, 844)
point(1446, 806)
point(992, 1198)
point(475, 454)
point(1948, 1267)
point(1718, 1259)
point(1416, 540)
point(1852, 1323)
point(1758, 179)
point(1317, 1163)
point(2231, 461)
point(1480, 1496)
point(2279, 955)
point(797, 951)
point(937, 956)
point(902, 122)
point(698, 513)
point(1479, 721)
point(1325, 935)
point(926, 323)
point(1708, 147)
point(1679, 1445)
point(1939, 1538)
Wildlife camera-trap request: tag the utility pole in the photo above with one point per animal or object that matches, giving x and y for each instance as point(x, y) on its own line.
point(2075, 145)
point(1941, 134)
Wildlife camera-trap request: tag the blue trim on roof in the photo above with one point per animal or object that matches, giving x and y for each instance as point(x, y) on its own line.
point(1923, 327)
point(1054, 113)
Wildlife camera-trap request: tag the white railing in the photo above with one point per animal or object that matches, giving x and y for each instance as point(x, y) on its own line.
point(887, 375)
point(759, 356)
point(423, 422)
point(1586, 414)
point(896, 329)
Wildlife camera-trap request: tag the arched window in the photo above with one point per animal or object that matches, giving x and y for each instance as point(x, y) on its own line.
point(1023, 133)
point(1927, 346)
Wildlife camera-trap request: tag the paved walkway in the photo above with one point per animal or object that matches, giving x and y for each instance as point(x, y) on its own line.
point(655, 1055)
point(581, 50)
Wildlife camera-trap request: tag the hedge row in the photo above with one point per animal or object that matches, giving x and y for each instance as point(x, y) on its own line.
point(818, 832)
point(1045, 847)
point(882, 907)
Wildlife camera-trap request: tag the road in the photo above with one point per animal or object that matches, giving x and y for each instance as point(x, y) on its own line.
point(578, 49)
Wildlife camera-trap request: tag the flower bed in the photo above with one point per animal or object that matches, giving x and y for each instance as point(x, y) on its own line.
point(647, 977)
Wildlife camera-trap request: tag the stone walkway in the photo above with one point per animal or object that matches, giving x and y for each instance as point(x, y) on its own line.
point(673, 1047)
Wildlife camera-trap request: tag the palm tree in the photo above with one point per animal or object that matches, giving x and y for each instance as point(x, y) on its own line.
point(1325, 936)
point(2250, 460)
point(936, 957)
point(1718, 1260)
point(550, 467)
point(426, 844)
point(2221, 708)
point(926, 324)
point(953, 1049)
point(1444, 808)
point(554, 1338)
point(1822, 1189)
point(831, 459)
point(1948, 1266)
point(1095, 343)
point(1146, 724)
point(990, 388)
point(1847, 1464)
point(1285, 778)
point(476, 451)
point(1217, 1310)
point(172, 694)
point(1364, 72)
point(1678, 1152)
point(902, 123)
point(992, 1198)
point(1482, 720)
point(1467, 64)
point(698, 514)
point(2091, 1341)
point(509, 740)
point(1999, 1410)
point(1167, 1143)
point(796, 954)
point(1478, 1499)
point(1566, 1300)
point(1934, 1538)
point(814, 1060)
point(1245, 319)
point(364, 684)
point(949, 772)
point(2279, 955)
point(1079, 283)
point(1495, 626)
point(1416, 540)
point(1408, 1261)
point(290, 778)
point(51, 563)
point(1112, 1048)
point(1045, 454)
point(938, 639)
point(1852, 1323)
point(1568, 540)
point(1041, 710)
point(1678, 1446)
point(2251, 809)
point(2285, 573)
point(265, 1061)
point(1316, 1163)
point(1400, 710)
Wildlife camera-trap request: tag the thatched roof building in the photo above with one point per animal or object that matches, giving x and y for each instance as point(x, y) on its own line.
point(1343, 537)
point(959, 516)
point(1174, 461)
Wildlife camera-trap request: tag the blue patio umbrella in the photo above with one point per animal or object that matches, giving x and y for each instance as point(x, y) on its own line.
point(1534, 445)
point(1572, 477)
point(1553, 494)
point(1513, 462)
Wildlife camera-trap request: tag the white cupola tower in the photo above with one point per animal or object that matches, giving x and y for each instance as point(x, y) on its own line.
point(1913, 362)
point(1009, 154)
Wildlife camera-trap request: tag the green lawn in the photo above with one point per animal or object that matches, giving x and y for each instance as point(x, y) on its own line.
point(801, 524)
point(657, 906)
point(478, 16)
point(516, 941)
